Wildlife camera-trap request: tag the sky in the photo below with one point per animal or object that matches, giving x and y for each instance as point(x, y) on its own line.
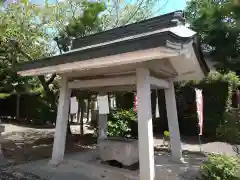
point(172, 5)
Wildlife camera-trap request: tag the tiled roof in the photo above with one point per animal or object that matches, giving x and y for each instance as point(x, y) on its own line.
point(150, 25)
point(151, 33)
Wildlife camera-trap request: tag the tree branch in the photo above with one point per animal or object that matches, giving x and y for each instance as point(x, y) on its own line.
point(51, 79)
point(135, 12)
point(43, 81)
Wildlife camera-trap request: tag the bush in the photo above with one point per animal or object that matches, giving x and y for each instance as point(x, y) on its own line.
point(229, 131)
point(122, 123)
point(221, 167)
point(217, 98)
point(33, 109)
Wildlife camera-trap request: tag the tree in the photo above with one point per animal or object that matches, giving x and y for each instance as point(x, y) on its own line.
point(217, 22)
point(80, 24)
point(117, 13)
point(27, 30)
point(86, 22)
point(23, 38)
point(122, 12)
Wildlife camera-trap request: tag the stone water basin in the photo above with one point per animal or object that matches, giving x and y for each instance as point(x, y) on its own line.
point(122, 150)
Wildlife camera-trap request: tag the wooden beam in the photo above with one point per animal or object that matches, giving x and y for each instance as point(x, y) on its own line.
point(102, 82)
point(160, 83)
point(126, 88)
point(103, 62)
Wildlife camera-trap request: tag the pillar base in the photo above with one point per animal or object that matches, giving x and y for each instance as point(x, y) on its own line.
point(178, 161)
point(55, 163)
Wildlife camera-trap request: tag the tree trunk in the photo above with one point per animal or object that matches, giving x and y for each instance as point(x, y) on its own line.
point(71, 118)
point(154, 103)
point(69, 132)
point(18, 108)
point(78, 111)
point(50, 95)
point(88, 107)
point(162, 109)
point(82, 116)
point(94, 114)
point(109, 101)
point(45, 84)
point(125, 100)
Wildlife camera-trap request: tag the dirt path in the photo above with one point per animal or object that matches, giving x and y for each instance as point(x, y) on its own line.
point(211, 147)
point(9, 128)
point(23, 145)
point(26, 144)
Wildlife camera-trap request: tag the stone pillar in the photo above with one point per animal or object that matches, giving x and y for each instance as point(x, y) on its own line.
point(145, 130)
point(173, 123)
point(102, 123)
point(61, 122)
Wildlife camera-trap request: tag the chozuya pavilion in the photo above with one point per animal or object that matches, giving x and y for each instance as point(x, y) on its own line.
point(147, 55)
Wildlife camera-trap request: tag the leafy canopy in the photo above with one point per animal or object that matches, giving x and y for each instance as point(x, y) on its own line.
point(218, 25)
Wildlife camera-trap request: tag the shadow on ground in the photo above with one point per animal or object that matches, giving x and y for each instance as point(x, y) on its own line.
point(34, 145)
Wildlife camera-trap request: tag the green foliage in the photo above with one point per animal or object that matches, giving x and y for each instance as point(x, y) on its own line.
point(229, 131)
point(221, 167)
point(26, 34)
point(217, 97)
point(119, 123)
point(230, 78)
point(24, 37)
point(119, 13)
point(124, 100)
point(166, 133)
point(218, 24)
point(29, 32)
point(80, 25)
point(33, 108)
point(44, 113)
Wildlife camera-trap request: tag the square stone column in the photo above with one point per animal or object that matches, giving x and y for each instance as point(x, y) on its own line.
point(61, 122)
point(173, 123)
point(145, 129)
point(102, 126)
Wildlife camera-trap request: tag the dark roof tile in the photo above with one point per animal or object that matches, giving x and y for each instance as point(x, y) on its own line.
point(153, 24)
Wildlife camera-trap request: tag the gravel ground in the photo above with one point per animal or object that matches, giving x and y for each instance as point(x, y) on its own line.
point(211, 147)
point(32, 144)
point(22, 145)
point(11, 173)
point(18, 133)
